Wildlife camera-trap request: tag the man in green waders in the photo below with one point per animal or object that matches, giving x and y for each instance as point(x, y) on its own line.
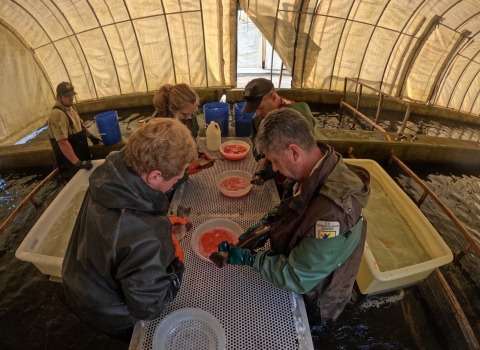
point(318, 232)
point(261, 97)
point(68, 135)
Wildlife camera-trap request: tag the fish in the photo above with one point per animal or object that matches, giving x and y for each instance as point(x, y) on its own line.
point(205, 162)
point(254, 240)
point(181, 230)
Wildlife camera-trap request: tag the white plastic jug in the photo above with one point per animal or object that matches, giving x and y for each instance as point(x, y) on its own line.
point(214, 136)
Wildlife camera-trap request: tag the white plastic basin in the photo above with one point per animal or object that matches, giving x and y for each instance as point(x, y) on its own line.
point(402, 246)
point(44, 247)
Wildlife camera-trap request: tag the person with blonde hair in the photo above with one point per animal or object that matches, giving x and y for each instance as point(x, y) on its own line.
point(122, 263)
point(180, 102)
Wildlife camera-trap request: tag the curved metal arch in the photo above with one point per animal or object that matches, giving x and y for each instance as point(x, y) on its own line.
point(369, 39)
point(468, 19)
point(169, 42)
point(273, 40)
point(108, 45)
point(466, 91)
point(396, 41)
point(458, 80)
point(78, 42)
point(46, 33)
point(300, 13)
point(204, 43)
point(474, 101)
point(316, 8)
point(138, 44)
point(338, 45)
point(29, 48)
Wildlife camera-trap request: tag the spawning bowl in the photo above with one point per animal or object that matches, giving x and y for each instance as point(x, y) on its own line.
point(189, 328)
point(213, 223)
point(234, 173)
point(231, 155)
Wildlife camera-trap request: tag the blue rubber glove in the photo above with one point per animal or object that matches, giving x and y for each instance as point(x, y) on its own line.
point(237, 256)
point(267, 219)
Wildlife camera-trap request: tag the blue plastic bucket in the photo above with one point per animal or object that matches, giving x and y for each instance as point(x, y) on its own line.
point(108, 127)
point(243, 121)
point(217, 112)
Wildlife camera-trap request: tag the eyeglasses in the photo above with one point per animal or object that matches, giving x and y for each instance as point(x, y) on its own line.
point(188, 115)
point(254, 97)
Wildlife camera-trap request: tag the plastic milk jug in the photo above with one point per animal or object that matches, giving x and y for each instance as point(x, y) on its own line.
point(214, 136)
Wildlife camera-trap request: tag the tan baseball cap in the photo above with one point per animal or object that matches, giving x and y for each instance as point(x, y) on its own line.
point(254, 92)
point(65, 89)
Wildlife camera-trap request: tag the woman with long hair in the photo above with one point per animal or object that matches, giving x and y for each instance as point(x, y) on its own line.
point(178, 101)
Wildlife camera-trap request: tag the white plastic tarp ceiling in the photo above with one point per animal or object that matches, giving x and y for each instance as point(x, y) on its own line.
point(419, 50)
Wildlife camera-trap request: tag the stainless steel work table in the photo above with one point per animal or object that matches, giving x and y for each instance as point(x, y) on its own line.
point(254, 314)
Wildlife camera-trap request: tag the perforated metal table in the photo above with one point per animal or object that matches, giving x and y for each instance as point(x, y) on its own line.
point(254, 314)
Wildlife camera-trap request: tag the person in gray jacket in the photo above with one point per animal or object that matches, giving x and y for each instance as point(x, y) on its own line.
point(122, 263)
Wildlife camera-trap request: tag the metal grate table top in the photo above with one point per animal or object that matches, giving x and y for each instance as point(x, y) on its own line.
point(254, 314)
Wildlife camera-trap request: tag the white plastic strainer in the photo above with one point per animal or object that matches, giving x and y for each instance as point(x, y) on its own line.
point(189, 328)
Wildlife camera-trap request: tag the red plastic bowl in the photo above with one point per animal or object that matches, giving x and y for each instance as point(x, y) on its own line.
point(234, 150)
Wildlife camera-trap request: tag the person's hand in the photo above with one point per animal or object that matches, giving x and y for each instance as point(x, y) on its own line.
point(196, 166)
point(95, 140)
point(85, 164)
point(178, 220)
point(237, 256)
point(267, 173)
point(179, 254)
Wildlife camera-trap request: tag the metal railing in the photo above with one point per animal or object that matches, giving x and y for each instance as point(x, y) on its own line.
point(27, 199)
point(381, 95)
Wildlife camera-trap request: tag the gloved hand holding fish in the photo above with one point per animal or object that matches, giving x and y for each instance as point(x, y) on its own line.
point(204, 161)
point(179, 254)
point(242, 253)
point(180, 223)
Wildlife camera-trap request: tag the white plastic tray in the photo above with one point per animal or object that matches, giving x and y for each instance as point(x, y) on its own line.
point(51, 264)
point(370, 278)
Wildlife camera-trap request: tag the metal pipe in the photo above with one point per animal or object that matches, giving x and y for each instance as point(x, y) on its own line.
point(381, 92)
point(404, 124)
point(378, 127)
point(26, 199)
point(380, 101)
point(447, 211)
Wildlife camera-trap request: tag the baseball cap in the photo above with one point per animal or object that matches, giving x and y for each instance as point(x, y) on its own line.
point(65, 89)
point(254, 92)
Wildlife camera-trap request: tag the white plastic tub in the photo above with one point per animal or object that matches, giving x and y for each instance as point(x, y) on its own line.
point(402, 247)
point(44, 247)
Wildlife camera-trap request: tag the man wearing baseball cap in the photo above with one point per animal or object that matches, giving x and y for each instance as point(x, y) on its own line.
point(261, 97)
point(68, 135)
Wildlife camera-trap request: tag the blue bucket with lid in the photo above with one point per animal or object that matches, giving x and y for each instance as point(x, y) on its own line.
point(217, 112)
point(108, 127)
point(243, 121)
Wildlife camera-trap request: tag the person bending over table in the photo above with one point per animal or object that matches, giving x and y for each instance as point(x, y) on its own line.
point(261, 97)
point(122, 263)
point(318, 231)
point(180, 101)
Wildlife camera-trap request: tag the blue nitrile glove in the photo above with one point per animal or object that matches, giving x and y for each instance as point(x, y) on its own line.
point(237, 256)
point(267, 219)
